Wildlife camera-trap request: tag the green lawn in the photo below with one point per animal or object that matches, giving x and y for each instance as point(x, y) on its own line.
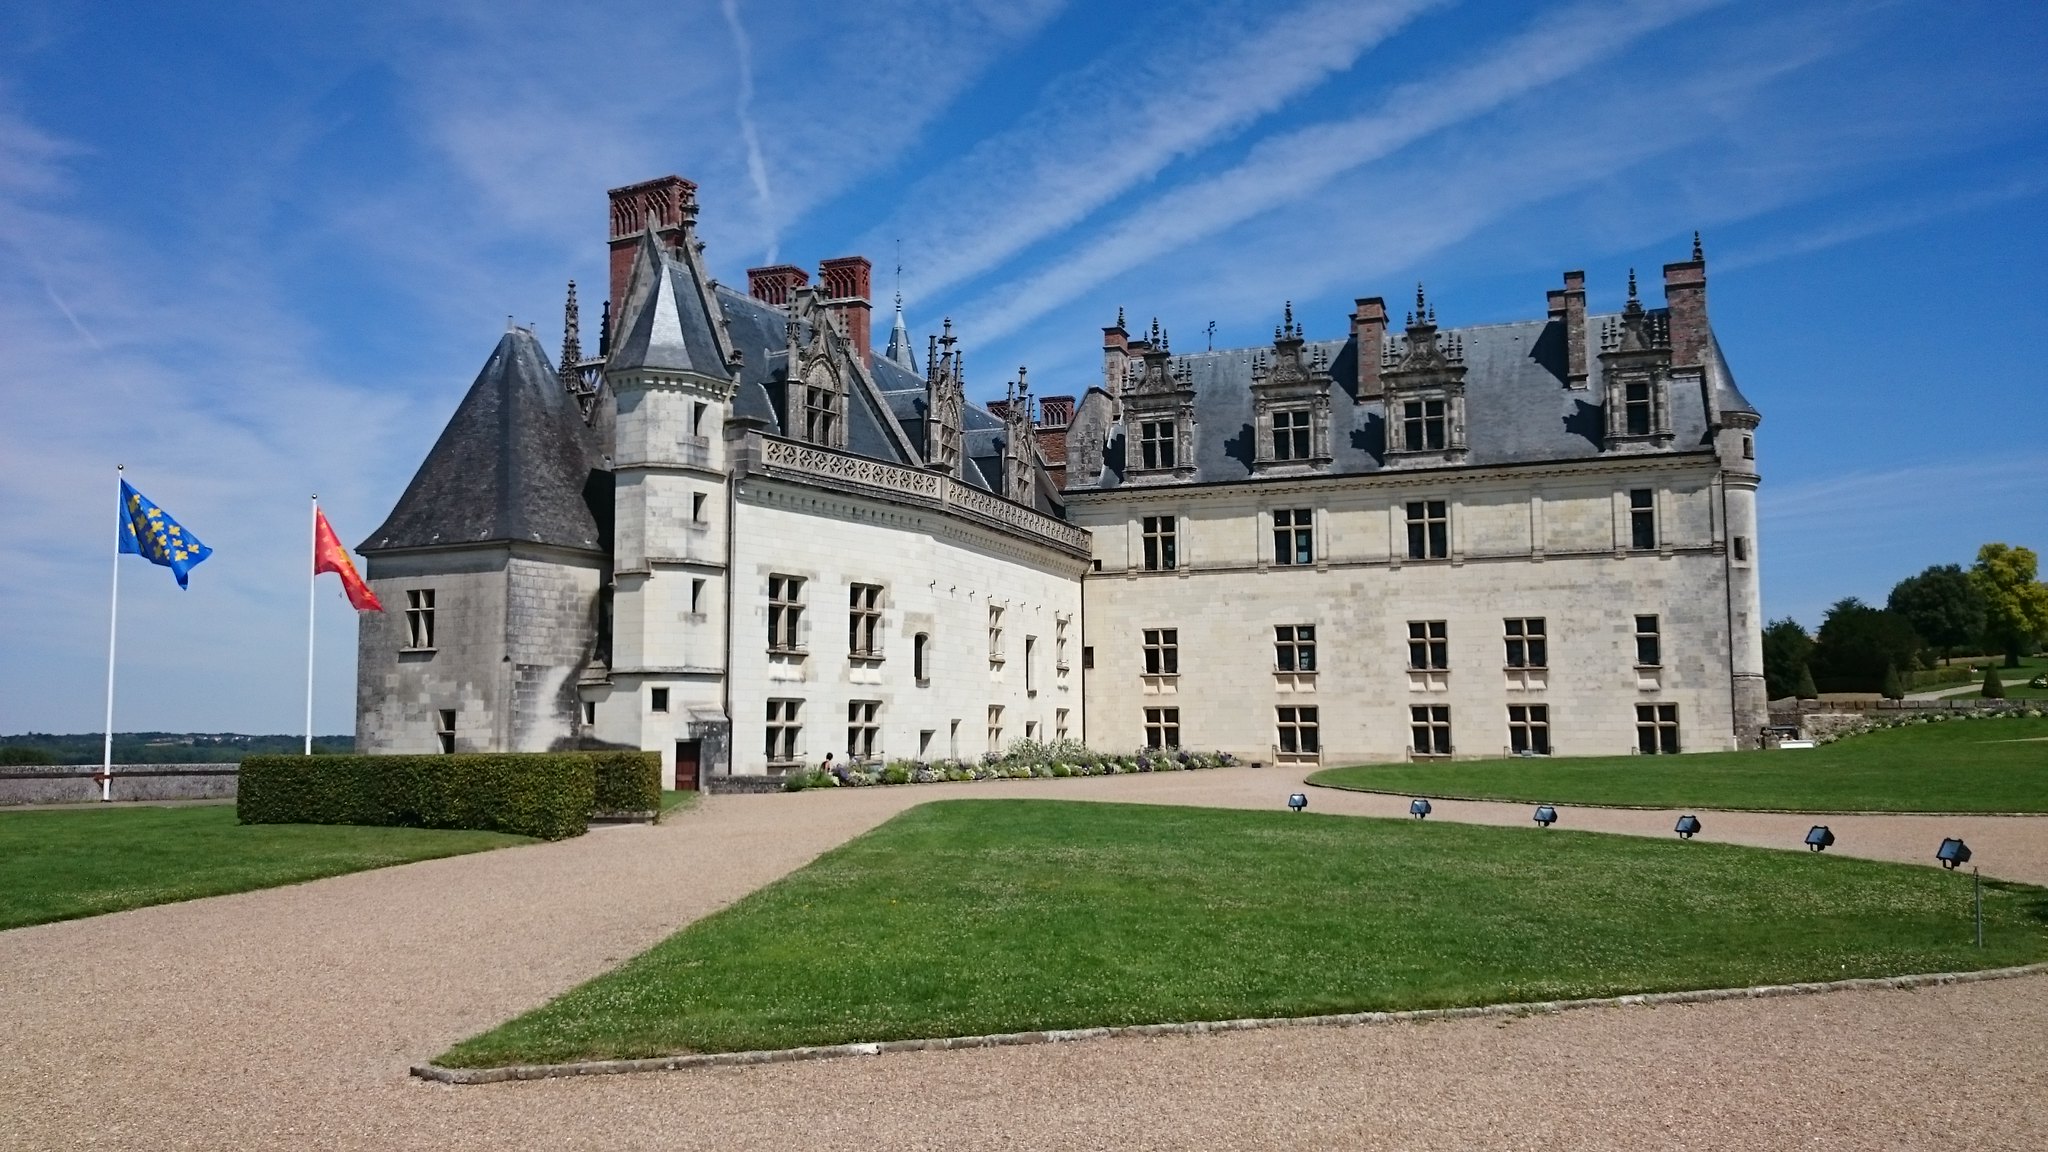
point(673, 799)
point(1997, 765)
point(974, 916)
point(67, 863)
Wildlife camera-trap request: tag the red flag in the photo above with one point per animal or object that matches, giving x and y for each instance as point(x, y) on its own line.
point(330, 556)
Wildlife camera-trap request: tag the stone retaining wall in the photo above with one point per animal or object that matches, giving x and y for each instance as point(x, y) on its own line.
point(75, 783)
point(717, 785)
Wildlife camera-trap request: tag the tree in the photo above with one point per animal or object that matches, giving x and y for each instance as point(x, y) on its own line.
point(1943, 604)
point(1857, 644)
point(1806, 690)
point(2015, 603)
point(1892, 687)
point(24, 754)
point(1787, 648)
point(1994, 688)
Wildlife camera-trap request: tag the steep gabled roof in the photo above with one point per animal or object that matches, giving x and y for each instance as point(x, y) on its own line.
point(666, 318)
point(516, 462)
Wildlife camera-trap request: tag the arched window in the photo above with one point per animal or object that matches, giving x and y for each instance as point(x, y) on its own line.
point(917, 657)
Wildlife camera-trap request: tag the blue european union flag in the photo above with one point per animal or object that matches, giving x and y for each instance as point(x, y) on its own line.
point(149, 532)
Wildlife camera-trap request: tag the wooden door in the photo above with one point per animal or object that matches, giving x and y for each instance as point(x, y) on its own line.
point(688, 753)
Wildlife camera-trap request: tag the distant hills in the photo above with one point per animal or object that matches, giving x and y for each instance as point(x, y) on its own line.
point(158, 747)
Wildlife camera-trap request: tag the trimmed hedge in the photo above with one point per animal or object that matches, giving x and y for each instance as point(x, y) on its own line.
point(545, 795)
point(627, 782)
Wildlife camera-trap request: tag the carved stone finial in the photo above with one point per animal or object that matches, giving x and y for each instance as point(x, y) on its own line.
point(1119, 316)
point(1698, 253)
point(572, 338)
point(1155, 330)
point(1288, 322)
point(1420, 306)
point(604, 330)
point(1632, 286)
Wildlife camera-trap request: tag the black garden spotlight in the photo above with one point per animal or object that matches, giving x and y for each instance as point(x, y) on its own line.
point(1418, 808)
point(1819, 838)
point(1688, 826)
point(1952, 852)
point(1546, 815)
point(1297, 801)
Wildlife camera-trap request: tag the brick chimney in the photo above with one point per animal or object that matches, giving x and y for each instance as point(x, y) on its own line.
point(1685, 294)
point(775, 283)
point(1369, 329)
point(670, 203)
point(848, 297)
point(1574, 295)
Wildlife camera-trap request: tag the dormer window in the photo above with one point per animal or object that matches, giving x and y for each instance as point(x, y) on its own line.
point(1155, 443)
point(821, 408)
point(1637, 394)
point(1422, 426)
point(1291, 435)
point(1635, 359)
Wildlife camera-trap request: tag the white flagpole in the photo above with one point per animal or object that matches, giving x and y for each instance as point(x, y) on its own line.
point(312, 583)
point(113, 622)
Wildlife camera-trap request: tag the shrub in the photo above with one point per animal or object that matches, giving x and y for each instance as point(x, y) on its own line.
point(1891, 687)
point(545, 795)
point(1994, 688)
point(24, 754)
point(627, 783)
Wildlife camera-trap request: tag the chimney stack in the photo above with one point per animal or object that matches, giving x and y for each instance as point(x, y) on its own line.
point(1116, 343)
point(1574, 295)
point(669, 203)
point(1685, 294)
point(849, 298)
point(775, 283)
point(1369, 329)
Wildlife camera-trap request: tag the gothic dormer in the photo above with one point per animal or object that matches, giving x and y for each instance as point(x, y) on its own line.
point(1635, 362)
point(816, 384)
point(1424, 379)
point(945, 393)
point(1159, 415)
point(1291, 403)
point(1020, 447)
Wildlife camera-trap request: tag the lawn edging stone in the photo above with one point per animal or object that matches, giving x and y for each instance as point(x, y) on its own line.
point(443, 1075)
point(1313, 783)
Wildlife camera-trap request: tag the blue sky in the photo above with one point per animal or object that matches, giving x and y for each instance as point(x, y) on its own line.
point(256, 251)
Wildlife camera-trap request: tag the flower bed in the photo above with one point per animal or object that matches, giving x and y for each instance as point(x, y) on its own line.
point(1907, 719)
point(1023, 760)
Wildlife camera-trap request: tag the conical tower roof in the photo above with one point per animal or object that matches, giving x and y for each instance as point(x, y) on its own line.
point(513, 464)
point(899, 351)
point(666, 318)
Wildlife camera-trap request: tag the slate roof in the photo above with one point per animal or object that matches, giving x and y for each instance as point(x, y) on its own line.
point(1517, 408)
point(665, 319)
point(517, 462)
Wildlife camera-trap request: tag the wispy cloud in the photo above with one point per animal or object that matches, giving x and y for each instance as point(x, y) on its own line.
point(1116, 122)
point(1293, 164)
point(743, 109)
point(1888, 218)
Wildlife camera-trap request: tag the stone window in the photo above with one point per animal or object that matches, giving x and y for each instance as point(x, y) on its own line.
point(657, 699)
point(862, 732)
point(1742, 548)
point(1155, 443)
point(1657, 729)
point(1162, 536)
point(821, 409)
point(1636, 399)
point(696, 597)
point(1649, 644)
point(1031, 730)
point(1431, 726)
point(1162, 727)
point(589, 713)
point(1429, 530)
point(1088, 656)
point(697, 507)
point(419, 619)
point(1162, 651)
point(784, 727)
point(1748, 448)
point(785, 613)
point(1429, 646)
point(995, 635)
point(1291, 440)
point(1059, 724)
point(864, 620)
point(995, 727)
point(1642, 519)
point(1031, 665)
point(920, 656)
point(1422, 426)
point(1527, 647)
point(924, 741)
point(697, 412)
point(1294, 536)
point(1299, 731)
point(1059, 647)
point(1529, 729)
point(444, 729)
point(1294, 648)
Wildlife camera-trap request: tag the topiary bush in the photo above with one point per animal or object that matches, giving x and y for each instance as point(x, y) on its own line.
point(545, 795)
point(1994, 688)
point(626, 783)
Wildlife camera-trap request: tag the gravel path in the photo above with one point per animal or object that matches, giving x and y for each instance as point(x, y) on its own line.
point(286, 1018)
